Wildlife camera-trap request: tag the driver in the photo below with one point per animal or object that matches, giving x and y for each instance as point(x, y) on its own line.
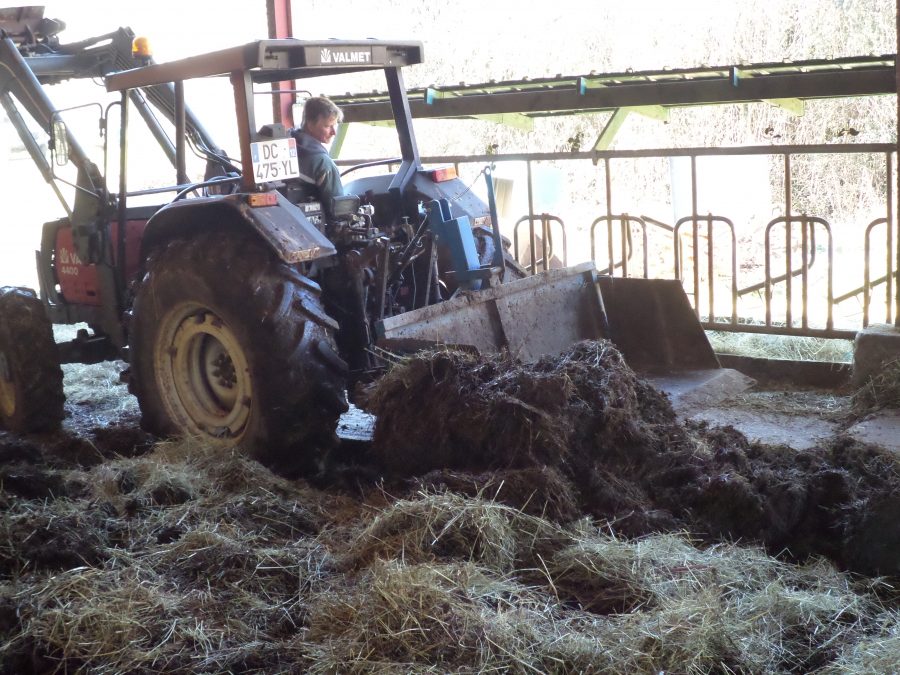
point(318, 173)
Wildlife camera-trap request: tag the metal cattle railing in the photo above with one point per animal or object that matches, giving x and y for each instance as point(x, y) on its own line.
point(625, 226)
point(710, 221)
point(698, 243)
point(887, 279)
point(807, 225)
point(545, 243)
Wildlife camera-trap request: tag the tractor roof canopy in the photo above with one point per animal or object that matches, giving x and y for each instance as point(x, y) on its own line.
point(276, 61)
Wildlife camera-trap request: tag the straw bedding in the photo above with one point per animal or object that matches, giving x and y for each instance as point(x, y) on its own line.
point(595, 534)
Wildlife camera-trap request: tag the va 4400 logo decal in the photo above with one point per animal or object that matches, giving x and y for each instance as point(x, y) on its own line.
point(327, 55)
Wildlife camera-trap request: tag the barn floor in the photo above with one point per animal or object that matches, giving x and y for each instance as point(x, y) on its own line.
point(798, 418)
point(773, 414)
point(802, 418)
point(644, 545)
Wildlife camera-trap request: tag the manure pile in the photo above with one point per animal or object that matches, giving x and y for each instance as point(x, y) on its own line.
point(581, 433)
point(591, 536)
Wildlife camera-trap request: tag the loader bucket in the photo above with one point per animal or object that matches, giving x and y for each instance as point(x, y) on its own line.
point(649, 320)
point(654, 326)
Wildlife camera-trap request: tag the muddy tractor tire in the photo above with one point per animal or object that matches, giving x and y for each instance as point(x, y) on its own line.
point(231, 346)
point(31, 380)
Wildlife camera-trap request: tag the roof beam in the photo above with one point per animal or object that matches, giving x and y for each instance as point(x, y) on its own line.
point(722, 88)
point(515, 120)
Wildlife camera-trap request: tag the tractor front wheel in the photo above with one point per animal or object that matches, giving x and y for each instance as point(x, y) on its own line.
point(31, 380)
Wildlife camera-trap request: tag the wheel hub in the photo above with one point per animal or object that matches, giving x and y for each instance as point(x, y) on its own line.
point(203, 373)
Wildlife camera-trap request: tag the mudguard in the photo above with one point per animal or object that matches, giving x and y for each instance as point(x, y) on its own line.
point(283, 226)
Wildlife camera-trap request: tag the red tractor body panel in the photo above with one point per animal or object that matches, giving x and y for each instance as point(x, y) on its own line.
point(78, 281)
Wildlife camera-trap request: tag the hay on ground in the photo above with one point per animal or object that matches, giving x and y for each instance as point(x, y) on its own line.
point(876, 653)
point(541, 491)
point(437, 583)
point(447, 526)
point(406, 618)
point(56, 535)
point(879, 391)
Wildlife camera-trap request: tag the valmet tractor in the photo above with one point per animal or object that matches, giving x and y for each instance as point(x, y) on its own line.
point(244, 313)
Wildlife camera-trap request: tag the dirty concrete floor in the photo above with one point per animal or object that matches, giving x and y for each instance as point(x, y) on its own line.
point(882, 428)
point(801, 418)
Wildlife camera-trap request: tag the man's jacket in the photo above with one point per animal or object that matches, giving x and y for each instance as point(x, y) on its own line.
point(318, 171)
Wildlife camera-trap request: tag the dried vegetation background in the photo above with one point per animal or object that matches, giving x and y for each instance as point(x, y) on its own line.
point(546, 518)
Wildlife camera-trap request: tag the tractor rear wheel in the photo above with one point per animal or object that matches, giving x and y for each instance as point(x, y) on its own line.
point(231, 346)
point(31, 380)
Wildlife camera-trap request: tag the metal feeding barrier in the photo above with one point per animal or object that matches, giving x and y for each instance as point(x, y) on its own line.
point(796, 260)
point(532, 262)
point(616, 235)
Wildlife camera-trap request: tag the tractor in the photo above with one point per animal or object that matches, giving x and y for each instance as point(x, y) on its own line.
point(245, 312)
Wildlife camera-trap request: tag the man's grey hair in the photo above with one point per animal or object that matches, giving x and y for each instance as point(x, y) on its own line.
point(318, 107)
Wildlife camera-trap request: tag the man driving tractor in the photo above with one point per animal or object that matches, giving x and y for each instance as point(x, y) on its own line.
point(318, 173)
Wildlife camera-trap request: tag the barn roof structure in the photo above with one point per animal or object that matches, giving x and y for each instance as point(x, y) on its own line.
point(787, 84)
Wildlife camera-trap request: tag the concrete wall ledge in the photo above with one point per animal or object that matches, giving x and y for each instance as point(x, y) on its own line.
point(874, 347)
point(820, 374)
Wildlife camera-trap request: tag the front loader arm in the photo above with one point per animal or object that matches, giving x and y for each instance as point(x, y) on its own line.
point(19, 80)
point(45, 61)
point(32, 58)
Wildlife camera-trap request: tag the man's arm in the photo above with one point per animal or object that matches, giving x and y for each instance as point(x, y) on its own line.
point(328, 180)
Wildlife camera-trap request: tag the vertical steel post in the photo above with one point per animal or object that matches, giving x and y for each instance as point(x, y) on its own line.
point(890, 224)
point(788, 236)
point(644, 242)
point(121, 244)
point(180, 131)
point(246, 123)
point(546, 248)
point(278, 14)
point(867, 277)
point(889, 249)
point(498, 260)
point(767, 280)
point(710, 269)
point(734, 276)
point(695, 235)
point(609, 222)
point(532, 239)
point(829, 321)
point(804, 271)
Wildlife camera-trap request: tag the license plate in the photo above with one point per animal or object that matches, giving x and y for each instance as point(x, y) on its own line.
point(274, 160)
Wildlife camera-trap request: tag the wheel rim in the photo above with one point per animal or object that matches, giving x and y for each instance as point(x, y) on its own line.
point(203, 374)
point(7, 388)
